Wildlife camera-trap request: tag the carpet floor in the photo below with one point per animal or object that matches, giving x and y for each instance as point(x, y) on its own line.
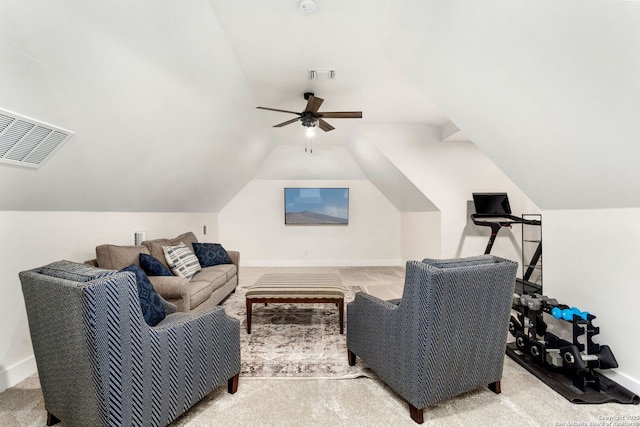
point(318, 400)
point(302, 340)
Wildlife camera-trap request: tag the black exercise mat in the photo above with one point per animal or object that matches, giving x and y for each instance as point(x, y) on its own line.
point(610, 391)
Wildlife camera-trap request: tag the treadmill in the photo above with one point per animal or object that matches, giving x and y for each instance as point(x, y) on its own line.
point(493, 210)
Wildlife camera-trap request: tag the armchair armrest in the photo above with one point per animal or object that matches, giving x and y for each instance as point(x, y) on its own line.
point(370, 302)
point(180, 318)
point(373, 329)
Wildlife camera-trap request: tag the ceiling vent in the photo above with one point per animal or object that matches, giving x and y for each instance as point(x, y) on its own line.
point(28, 142)
point(307, 6)
point(324, 74)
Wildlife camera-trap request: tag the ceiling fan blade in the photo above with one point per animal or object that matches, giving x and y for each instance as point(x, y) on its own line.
point(313, 104)
point(324, 125)
point(341, 115)
point(275, 109)
point(288, 122)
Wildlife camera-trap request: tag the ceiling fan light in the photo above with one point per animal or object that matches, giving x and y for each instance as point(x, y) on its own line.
point(307, 6)
point(310, 132)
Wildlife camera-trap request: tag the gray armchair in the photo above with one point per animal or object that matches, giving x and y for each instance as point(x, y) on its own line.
point(99, 362)
point(447, 335)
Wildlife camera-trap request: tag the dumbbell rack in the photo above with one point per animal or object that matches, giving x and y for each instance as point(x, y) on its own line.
point(567, 367)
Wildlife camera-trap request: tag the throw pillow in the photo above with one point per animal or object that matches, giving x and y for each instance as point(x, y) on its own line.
point(181, 260)
point(152, 308)
point(210, 254)
point(153, 267)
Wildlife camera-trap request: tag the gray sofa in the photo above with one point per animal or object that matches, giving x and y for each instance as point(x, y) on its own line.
point(206, 289)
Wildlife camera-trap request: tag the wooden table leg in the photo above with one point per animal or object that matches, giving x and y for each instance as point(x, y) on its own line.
point(249, 306)
point(341, 314)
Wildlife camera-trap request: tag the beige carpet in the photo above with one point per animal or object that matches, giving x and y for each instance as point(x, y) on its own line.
point(525, 401)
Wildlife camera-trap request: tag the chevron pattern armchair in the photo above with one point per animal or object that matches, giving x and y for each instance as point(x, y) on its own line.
point(99, 362)
point(446, 336)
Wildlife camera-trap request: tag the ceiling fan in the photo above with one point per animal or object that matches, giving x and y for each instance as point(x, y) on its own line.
point(310, 116)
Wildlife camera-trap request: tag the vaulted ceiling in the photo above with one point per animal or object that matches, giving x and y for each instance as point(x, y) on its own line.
point(161, 94)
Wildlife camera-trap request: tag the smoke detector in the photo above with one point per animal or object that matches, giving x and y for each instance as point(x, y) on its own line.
point(307, 6)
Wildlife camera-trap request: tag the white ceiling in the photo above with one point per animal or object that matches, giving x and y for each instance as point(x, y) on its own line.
point(276, 44)
point(161, 94)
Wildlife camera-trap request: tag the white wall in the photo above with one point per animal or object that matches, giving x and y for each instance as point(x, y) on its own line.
point(420, 235)
point(254, 222)
point(448, 173)
point(591, 262)
point(33, 239)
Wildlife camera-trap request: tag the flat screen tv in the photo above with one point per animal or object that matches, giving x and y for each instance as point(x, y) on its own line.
point(316, 206)
point(491, 203)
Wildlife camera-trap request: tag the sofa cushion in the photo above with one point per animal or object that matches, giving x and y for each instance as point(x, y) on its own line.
point(215, 275)
point(115, 257)
point(155, 246)
point(227, 271)
point(181, 260)
point(200, 290)
point(210, 254)
point(153, 267)
point(73, 271)
point(153, 310)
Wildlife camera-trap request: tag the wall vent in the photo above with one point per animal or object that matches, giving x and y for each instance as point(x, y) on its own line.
point(139, 236)
point(28, 142)
point(325, 74)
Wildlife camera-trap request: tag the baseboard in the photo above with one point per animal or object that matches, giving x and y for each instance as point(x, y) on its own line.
point(12, 375)
point(322, 263)
point(622, 379)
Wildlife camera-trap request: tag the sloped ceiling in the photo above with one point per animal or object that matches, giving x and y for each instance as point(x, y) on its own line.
point(161, 95)
point(158, 103)
point(549, 90)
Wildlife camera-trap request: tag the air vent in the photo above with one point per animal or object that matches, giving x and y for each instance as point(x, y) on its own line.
point(325, 74)
point(28, 142)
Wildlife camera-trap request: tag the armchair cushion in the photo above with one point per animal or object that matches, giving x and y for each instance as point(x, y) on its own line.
point(153, 310)
point(153, 267)
point(181, 260)
point(210, 254)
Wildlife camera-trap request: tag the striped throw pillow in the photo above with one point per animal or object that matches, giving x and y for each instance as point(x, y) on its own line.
point(181, 260)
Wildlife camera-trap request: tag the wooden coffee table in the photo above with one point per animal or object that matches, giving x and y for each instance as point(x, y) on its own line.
point(297, 288)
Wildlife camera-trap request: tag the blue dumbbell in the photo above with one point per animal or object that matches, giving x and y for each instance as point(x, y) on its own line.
point(567, 314)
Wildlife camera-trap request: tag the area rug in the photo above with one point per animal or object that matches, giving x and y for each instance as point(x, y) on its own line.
point(294, 341)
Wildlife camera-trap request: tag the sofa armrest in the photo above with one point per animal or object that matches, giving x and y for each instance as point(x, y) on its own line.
point(235, 258)
point(174, 289)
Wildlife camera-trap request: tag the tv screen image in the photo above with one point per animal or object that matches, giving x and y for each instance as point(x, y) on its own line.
point(316, 206)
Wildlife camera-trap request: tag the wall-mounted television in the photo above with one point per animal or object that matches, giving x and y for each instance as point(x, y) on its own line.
point(316, 206)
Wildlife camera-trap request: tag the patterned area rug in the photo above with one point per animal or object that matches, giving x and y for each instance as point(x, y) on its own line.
point(294, 341)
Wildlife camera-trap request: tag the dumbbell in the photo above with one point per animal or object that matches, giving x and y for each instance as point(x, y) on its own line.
point(567, 313)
